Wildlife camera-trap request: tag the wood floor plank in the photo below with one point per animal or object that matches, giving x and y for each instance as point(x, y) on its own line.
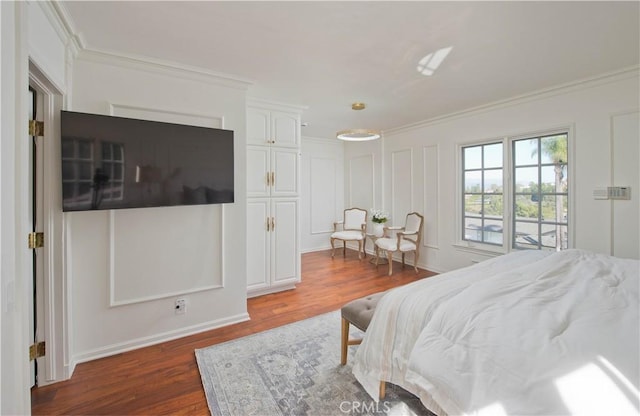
point(164, 378)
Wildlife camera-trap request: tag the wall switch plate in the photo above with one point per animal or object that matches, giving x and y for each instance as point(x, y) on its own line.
point(601, 193)
point(619, 192)
point(180, 306)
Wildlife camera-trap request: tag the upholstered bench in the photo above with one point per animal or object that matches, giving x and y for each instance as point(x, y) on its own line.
point(357, 313)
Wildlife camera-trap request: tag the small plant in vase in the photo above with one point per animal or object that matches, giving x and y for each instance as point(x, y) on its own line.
point(379, 218)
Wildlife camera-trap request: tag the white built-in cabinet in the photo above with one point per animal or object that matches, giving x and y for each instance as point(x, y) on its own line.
point(273, 127)
point(273, 177)
point(273, 171)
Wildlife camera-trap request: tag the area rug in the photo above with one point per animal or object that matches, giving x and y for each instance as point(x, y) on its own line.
point(292, 370)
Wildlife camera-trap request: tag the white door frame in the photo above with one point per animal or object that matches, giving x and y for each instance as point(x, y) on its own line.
point(53, 292)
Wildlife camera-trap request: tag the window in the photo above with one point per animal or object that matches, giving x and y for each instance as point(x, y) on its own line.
point(534, 195)
point(540, 192)
point(483, 193)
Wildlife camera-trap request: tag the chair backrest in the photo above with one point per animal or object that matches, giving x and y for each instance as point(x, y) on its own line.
point(354, 218)
point(413, 224)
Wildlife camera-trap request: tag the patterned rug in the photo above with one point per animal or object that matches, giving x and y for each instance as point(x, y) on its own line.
point(292, 370)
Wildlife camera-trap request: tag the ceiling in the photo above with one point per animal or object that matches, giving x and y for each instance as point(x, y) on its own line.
point(327, 55)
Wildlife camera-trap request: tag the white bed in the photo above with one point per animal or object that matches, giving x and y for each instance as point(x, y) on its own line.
point(531, 332)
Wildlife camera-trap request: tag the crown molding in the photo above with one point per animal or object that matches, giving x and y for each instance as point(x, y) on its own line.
point(172, 69)
point(63, 24)
point(606, 78)
point(274, 105)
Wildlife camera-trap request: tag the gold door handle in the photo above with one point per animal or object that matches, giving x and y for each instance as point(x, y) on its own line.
point(268, 179)
point(268, 224)
point(273, 224)
point(273, 179)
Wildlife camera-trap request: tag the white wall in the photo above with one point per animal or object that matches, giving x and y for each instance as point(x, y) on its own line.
point(100, 328)
point(14, 397)
point(415, 155)
point(322, 191)
point(31, 37)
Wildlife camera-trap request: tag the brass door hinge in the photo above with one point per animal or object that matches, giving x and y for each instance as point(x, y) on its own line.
point(37, 350)
point(36, 240)
point(36, 128)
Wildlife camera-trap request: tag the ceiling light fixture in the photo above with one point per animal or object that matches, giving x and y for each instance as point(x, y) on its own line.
point(358, 135)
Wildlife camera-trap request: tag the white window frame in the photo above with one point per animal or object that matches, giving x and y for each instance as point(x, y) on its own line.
point(507, 177)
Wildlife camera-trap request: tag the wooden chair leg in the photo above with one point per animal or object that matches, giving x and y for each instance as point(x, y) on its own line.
point(344, 341)
point(344, 248)
point(390, 258)
point(383, 386)
point(415, 261)
point(359, 249)
point(403, 259)
point(333, 247)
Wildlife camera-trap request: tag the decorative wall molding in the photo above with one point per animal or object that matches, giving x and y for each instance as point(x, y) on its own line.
point(353, 183)
point(320, 206)
point(165, 115)
point(431, 193)
point(398, 168)
point(169, 69)
point(274, 105)
point(154, 286)
point(156, 291)
point(631, 72)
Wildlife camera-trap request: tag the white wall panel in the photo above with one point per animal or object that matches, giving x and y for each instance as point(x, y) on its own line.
point(430, 184)
point(47, 45)
point(200, 237)
point(184, 255)
point(323, 194)
point(361, 182)
point(401, 171)
point(626, 172)
point(586, 106)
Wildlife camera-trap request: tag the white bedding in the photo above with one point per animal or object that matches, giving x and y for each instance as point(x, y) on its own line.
point(531, 332)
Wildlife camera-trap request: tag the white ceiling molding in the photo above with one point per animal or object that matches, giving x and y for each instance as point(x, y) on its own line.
point(631, 72)
point(161, 67)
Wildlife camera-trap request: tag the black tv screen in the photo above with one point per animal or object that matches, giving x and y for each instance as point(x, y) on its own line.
point(114, 162)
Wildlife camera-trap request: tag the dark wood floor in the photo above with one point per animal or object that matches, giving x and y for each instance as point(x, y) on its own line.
point(164, 378)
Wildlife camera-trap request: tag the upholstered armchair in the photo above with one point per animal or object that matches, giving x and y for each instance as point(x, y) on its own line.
point(352, 228)
point(406, 239)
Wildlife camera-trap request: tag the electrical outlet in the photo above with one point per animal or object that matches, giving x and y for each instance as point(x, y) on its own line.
point(180, 306)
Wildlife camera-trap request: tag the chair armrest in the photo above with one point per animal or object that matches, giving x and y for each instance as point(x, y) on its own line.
point(335, 225)
point(392, 229)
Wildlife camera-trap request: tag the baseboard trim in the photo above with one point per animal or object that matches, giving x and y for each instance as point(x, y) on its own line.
point(156, 339)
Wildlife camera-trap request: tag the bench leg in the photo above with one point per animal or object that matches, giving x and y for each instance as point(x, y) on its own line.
point(382, 389)
point(344, 341)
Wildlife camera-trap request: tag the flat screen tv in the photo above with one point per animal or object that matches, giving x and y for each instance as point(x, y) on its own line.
point(114, 162)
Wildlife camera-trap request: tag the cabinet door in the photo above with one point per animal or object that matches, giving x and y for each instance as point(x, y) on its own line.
point(258, 126)
point(258, 171)
point(284, 172)
point(258, 244)
point(285, 129)
point(285, 253)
